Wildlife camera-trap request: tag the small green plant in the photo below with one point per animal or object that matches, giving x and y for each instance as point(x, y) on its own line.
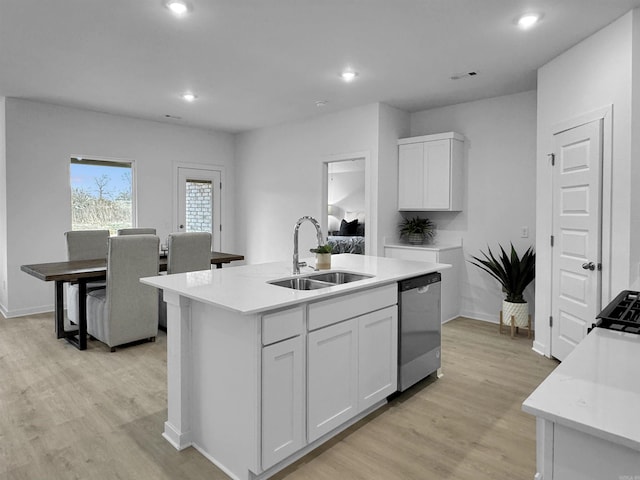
point(513, 272)
point(321, 249)
point(421, 226)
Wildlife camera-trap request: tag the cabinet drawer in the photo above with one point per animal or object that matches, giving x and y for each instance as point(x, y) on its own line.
point(338, 309)
point(409, 254)
point(281, 325)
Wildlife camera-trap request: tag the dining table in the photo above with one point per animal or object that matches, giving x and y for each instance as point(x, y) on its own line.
point(83, 272)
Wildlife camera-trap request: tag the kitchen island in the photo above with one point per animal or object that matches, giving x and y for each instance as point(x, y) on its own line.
point(260, 374)
point(588, 411)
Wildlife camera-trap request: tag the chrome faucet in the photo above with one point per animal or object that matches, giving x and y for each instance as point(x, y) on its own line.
point(296, 263)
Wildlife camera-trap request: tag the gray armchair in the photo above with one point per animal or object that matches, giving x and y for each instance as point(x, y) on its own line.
point(84, 245)
point(137, 231)
point(188, 252)
point(126, 310)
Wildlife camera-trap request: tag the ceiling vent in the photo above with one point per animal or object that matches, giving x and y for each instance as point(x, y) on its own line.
point(458, 76)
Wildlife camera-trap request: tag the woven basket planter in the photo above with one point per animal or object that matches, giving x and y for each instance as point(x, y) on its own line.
point(520, 312)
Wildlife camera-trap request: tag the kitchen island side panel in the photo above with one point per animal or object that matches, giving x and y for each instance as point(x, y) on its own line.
point(225, 392)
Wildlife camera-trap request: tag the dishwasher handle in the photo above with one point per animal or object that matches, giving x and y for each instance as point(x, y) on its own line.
point(424, 289)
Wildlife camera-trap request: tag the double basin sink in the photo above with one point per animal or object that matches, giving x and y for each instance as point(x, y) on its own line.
point(319, 280)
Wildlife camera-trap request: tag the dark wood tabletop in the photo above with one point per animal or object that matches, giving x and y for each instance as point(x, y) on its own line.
point(94, 269)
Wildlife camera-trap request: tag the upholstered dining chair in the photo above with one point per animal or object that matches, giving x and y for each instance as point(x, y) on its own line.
point(126, 310)
point(84, 245)
point(188, 252)
point(136, 231)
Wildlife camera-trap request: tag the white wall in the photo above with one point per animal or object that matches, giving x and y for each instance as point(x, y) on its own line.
point(40, 139)
point(593, 74)
point(346, 190)
point(393, 124)
point(500, 188)
point(281, 178)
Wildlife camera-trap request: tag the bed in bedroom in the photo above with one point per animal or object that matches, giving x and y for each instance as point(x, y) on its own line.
point(349, 239)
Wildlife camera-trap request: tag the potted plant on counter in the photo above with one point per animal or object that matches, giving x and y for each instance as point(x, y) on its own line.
point(416, 230)
point(323, 256)
point(514, 273)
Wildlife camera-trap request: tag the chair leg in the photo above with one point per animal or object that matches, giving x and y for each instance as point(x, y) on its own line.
point(513, 324)
point(500, 322)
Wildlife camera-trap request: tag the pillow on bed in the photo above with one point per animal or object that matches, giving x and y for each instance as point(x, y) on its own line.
point(348, 229)
point(360, 230)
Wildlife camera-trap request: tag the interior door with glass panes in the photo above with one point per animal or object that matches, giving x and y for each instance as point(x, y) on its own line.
point(199, 202)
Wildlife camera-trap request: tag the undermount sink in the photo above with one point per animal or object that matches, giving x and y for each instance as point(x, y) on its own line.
point(338, 278)
point(316, 281)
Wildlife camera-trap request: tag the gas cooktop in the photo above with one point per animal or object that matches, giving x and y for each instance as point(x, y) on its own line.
point(622, 314)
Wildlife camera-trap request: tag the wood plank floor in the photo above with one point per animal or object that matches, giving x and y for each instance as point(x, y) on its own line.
point(68, 414)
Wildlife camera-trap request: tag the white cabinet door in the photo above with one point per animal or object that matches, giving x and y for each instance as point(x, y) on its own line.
point(437, 169)
point(332, 382)
point(411, 176)
point(377, 356)
point(282, 400)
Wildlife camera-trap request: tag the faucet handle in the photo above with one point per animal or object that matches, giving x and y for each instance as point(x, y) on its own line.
point(302, 264)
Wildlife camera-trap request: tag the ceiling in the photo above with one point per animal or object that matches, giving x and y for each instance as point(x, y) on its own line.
point(257, 63)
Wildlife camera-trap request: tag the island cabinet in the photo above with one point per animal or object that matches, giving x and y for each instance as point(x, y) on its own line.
point(352, 362)
point(431, 172)
point(259, 375)
point(283, 385)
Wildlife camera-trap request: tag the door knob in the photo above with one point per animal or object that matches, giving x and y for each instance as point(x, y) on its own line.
point(589, 266)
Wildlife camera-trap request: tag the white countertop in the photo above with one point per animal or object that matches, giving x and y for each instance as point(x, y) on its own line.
point(244, 289)
point(434, 247)
point(596, 389)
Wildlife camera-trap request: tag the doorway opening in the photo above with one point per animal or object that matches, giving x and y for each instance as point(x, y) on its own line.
point(346, 201)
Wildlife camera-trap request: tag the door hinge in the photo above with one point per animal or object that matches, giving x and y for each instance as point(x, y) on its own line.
point(552, 157)
point(220, 185)
point(552, 240)
point(220, 227)
point(550, 321)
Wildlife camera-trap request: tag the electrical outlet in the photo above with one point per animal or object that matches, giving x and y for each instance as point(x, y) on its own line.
point(524, 232)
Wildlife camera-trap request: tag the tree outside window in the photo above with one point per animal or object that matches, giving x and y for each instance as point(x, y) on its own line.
point(101, 195)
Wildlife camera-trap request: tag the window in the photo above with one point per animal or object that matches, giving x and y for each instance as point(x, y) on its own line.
point(101, 194)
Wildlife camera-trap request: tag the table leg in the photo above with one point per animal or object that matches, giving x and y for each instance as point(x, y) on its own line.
point(218, 265)
point(59, 309)
point(82, 314)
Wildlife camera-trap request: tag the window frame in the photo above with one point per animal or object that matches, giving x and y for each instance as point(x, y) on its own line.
point(101, 159)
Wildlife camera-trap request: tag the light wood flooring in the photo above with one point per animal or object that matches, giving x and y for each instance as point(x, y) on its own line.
point(66, 414)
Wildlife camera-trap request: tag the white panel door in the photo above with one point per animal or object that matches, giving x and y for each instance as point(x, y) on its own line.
point(332, 382)
point(377, 356)
point(437, 185)
point(199, 199)
point(577, 219)
point(282, 400)
point(410, 176)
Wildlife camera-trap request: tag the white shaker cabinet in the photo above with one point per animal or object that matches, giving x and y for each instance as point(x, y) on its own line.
point(333, 377)
point(431, 172)
point(377, 356)
point(283, 387)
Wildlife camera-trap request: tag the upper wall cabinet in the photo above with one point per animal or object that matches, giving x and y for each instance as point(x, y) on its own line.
point(430, 172)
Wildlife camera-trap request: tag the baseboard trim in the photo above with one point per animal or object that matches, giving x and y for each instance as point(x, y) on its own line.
point(23, 312)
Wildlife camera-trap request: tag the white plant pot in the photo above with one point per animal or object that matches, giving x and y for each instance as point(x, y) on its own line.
point(520, 312)
point(323, 261)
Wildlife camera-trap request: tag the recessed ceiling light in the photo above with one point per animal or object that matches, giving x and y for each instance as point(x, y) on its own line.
point(178, 7)
point(188, 96)
point(321, 103)
point(528, 20)
point(348, 75)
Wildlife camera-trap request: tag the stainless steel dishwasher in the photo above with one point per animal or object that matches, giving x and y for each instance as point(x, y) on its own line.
point(420, 329)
